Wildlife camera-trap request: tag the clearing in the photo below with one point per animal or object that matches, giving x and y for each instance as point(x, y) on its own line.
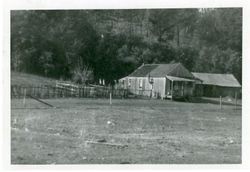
point(90, 131)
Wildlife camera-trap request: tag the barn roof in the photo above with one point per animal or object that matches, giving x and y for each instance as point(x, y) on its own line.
point(224, 80)
point(162, 70)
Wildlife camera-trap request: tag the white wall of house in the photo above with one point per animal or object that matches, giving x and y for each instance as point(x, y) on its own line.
point(142, 86)
point(159, 86)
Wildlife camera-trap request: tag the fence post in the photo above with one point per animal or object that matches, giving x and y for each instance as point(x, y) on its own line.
point(110, 98)
point(20, 92)
point(236, 100)
point(71, 91)
point(54, 92)
point(24, 96)
point(220, 103)
point(48, 92)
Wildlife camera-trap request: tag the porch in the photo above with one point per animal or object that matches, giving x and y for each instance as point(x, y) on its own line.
point(177, 87)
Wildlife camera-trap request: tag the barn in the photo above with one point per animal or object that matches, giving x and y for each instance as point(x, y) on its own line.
point(160, 81)
point(216, 85)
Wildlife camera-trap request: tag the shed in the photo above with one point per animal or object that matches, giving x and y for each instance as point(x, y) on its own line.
point(215, 85)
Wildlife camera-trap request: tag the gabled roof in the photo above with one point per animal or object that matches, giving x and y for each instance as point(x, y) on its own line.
point(162, 70)
point(224, 80)
point(144, 70)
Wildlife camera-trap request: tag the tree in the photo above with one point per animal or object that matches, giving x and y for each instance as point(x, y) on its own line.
point(221, 27)
point(187, 56)
point(220, 36)
point(82, 74)
point(215, 60)
point(167, 24)
point(115, 42)
point(47, 42)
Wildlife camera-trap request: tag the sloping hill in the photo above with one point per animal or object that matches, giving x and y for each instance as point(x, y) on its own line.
point(25, 79)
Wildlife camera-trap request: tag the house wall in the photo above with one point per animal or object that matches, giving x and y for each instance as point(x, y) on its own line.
point(216, 91)
point(141, 86)
point(198, 90)
point(159, 86)
point(137, 85)
point(189, 89)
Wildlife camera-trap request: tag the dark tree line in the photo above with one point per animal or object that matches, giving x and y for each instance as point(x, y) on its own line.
point(112, 43)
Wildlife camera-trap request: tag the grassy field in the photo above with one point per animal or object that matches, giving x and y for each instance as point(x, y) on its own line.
point(25, 79)
point(90, 131)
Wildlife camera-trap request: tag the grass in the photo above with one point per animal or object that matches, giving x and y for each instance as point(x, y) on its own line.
point(25, 79)
point(90, 131)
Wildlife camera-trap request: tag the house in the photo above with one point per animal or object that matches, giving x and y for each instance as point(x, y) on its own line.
point(215, 85)
point(160, 81)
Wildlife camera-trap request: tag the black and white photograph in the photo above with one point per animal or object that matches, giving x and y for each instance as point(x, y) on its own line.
point(126, 86)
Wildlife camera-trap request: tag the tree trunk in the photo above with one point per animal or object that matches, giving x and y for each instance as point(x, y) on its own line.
point(178, 36)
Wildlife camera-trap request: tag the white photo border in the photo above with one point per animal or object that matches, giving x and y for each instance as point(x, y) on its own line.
point(9, 5)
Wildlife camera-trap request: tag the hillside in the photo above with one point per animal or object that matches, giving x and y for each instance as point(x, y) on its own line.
point(18, 78)
point(113, 43)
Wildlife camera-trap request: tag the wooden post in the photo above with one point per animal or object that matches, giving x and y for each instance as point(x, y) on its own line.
point(236, 100)
point(220, 103)
point(20, 92)
point(54, 92)
point(172, 90)
point(47, 92)
point(24, 96)
point(110, 98)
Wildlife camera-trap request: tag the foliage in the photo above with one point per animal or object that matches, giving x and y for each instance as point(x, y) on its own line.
point(214, 60)
point(114, 42)
point(49, 41)
point(82, 74)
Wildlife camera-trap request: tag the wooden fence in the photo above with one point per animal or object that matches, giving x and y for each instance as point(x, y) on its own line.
point(46, 92)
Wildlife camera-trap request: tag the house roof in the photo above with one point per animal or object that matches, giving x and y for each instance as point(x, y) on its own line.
point(162, 70)
point(144, 70)
point(224, 80)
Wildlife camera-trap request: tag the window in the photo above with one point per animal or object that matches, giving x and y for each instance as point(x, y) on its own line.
point(140, 83)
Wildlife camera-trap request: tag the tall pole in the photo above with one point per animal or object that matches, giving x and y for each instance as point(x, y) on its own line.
point(236, 100)
point(24, 97)
point(220, 103)
point(110, 98)
point(172, 90)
